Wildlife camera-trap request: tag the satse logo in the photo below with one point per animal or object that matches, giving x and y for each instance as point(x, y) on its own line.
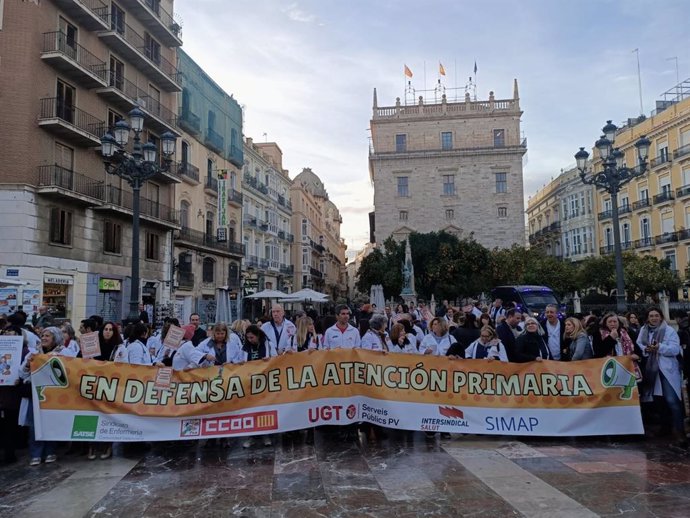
point(84, 427)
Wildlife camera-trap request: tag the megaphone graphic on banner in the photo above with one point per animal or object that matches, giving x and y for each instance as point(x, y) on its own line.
point(51, 374)
point(613, 374)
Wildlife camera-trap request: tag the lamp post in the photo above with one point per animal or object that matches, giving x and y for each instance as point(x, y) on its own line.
point(614, 174)
point(136, 168)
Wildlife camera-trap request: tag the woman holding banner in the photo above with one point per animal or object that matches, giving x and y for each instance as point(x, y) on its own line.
point(531, 346)
point(487, 346)
point(40, 451)
point(376, 339)
point(224, 346)
point(137, 352)
point(400, 342)
point(257, 346)
point(306, 337)
point(187, 356)
point(439, 341)
point(662, 378)
point(69, 337)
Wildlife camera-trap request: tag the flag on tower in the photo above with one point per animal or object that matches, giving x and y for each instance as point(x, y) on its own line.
point(441, 70)
point(408, 72)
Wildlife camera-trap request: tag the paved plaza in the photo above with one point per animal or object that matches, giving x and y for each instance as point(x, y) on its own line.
point(404, 475)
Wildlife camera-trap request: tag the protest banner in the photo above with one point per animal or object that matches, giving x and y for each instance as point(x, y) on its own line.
point(10, 358)
point(90, 345)
point(174, 337)
point(105, 401)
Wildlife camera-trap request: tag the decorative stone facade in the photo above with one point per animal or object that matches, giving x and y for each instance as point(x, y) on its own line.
point(454, 166)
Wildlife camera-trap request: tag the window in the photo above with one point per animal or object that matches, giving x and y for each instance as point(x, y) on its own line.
point(112, 237)
point(209, 168)
point(184, 214)
point(450, 214)
point(663, 153)
point(117, 19)
point(645, 229)
point(154, 5)
point(305, 227)
point(60, 226)
point(403, 191)
point(152, 49)
point(400, 143)
point(644, 194)
point(625, 202)
point(184, 152)
point(68, 38)
point(402, 215)
point(113, 117)
point(152, 246)
point(64, 158)
point(501, 182)
point(499, 138)
point(306, 258)
point(154, 100)
point(65, 102)
point(665, 186)
point(670, 256)
point(211, 119)
point(503, 212)
point(209, 226)
point(208, 269)
point(626, 233)
point(446, 140)
point(449, 185)
point(609, 237)
point(117, 73)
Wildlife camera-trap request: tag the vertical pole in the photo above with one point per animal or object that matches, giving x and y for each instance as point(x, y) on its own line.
point(620, 283)
point(134, 292)
point(639, 80)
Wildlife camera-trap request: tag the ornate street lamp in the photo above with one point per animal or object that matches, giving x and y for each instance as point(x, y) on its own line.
point(614, 175)
point(136, 168)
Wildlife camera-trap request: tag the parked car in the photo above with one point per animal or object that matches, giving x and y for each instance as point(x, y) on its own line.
point(531, 299)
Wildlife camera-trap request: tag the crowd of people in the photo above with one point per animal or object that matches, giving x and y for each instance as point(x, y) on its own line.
point(496, 333)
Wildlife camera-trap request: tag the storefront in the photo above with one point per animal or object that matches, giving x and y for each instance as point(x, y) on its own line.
point(57, 294)
point(110, 299)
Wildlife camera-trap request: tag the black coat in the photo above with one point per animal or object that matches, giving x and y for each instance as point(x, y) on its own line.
point(529, 346)
point(505, 334)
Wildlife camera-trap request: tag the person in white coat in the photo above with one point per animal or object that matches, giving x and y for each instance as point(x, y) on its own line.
point(376, 338)
point(137, 352)
point(187, 356)
point(280, 331)
point(342, 335)
point(257, 346)
point(662, 378)
point(224, 345)
point(69, 337)
point(439, 340)
point(400, 341)
point(487, 346)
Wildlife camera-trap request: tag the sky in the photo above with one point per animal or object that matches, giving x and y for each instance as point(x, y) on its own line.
point(305, 72)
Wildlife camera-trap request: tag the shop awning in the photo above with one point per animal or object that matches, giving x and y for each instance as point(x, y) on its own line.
point(13, 282)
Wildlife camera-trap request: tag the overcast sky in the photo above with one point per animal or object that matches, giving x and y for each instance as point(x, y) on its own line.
point(305, 72)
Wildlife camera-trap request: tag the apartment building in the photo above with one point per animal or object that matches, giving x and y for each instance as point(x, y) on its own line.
point(453, 165)
point(70, 70)
point(266, 215)
point(208, 247)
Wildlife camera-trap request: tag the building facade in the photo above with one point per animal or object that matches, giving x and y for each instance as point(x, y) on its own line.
point(319, 252)
point(70, 70)
point(266, 219)
point(655, 209)
point(208, 247)
point(454, 166)
point(561, 218)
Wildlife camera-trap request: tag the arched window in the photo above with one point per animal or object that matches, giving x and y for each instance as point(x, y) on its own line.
point(208, 270)
point(184, 214)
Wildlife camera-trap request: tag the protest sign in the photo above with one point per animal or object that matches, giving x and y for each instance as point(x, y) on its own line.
point(90, 345)
point(174, 337)
point(10, 358)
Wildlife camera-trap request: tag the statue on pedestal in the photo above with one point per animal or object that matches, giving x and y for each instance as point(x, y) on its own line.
point(408, 291)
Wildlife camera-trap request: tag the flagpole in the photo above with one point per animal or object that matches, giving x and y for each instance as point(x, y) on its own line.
point(456, 79)
point(424, 76)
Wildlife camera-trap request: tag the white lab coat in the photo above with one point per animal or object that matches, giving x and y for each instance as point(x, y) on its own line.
point(438, 349)
point(669, 365)
point(233, 349)
point(138, 353)
point(497, 352)
point(187, 356)
point(371, 341)
point(73, 348)
point(286, 335)
point(409, 347)
point(334, 338)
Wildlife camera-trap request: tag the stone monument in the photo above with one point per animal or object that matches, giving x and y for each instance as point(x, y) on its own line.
point(408, 293)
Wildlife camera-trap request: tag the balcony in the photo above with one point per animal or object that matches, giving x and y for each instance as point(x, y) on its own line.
point(185, 280)
point(157, 21)
point(683, 191)
point(121, 201)
point(59, 182)
point(73, 60)
point(235, 197)
point(315, 273)
point(666, 237)
point(211, 185)
point(92, 14)
point(659, 160)
point(682, 151)
point(251, 261)
point(70, 123)
point(606, 214)
point(663, 197)
point(283, 202)
point(606, 250)
point(255, 184)
point(644, 242)
point(189, 121)
point(214, 140)
point(641, 204)
point(683, 234)
point(208, 242)
point(287, 269)
point(188, 172)
point(624, 209)
point(132, 46)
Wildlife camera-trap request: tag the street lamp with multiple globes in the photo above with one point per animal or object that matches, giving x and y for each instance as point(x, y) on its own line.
point(136, 168)
point(614, 175)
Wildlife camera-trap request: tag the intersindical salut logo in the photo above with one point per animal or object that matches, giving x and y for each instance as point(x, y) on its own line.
point(84, 427)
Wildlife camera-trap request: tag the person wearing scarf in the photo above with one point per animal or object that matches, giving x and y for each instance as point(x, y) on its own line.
point(439, 341)
point(530, 345)
point(225, 346)
point(257, 346)
point(306, 336)
point(487, 346)
point(661, 346)
point(376, 339)
point(614, 340)
point(400, 343)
